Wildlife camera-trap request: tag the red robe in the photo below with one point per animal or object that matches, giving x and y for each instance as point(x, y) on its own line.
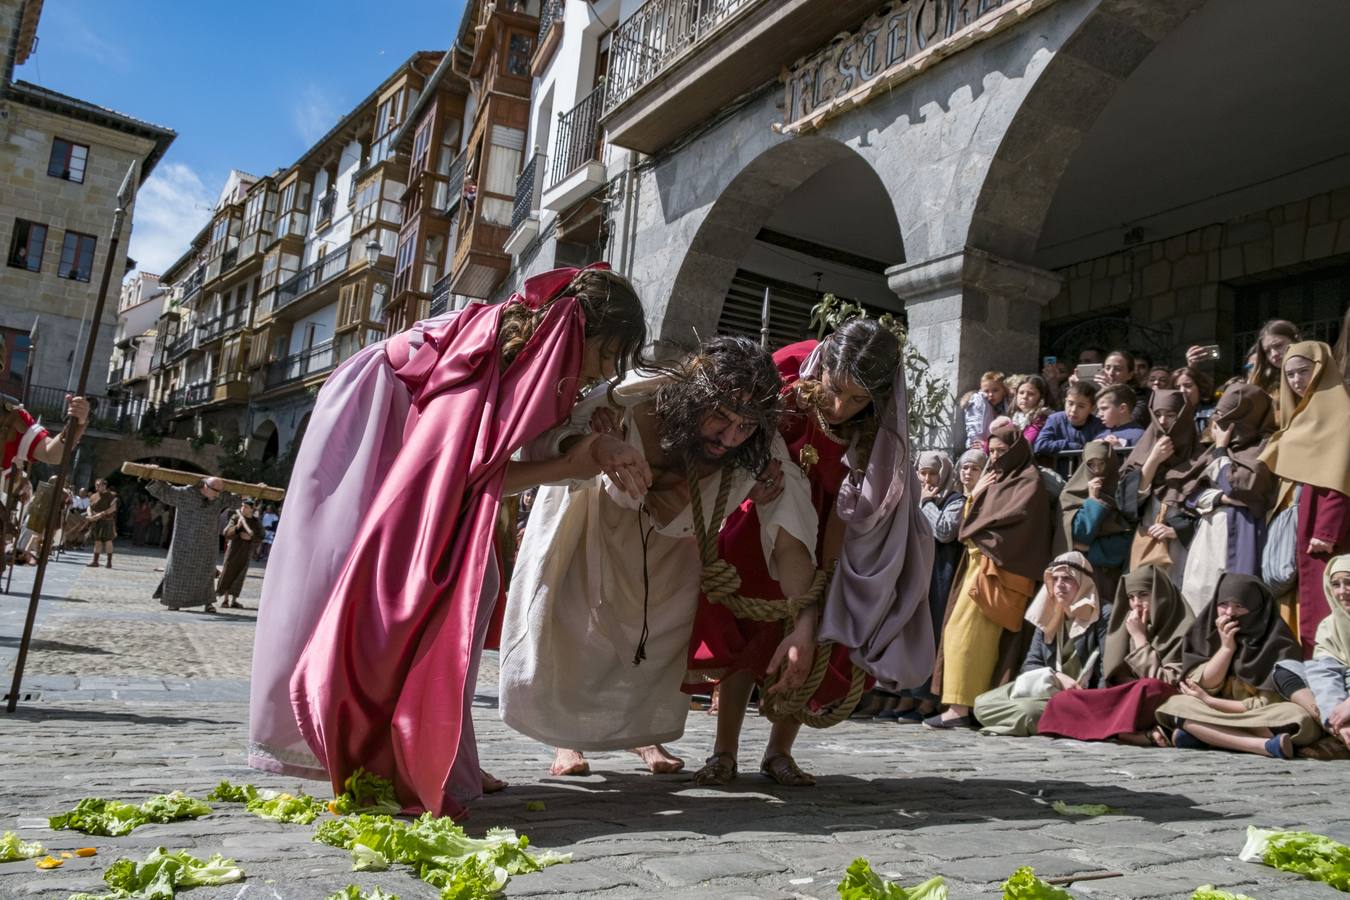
point(385, 681)
point(1323, 514)
point(722, 644)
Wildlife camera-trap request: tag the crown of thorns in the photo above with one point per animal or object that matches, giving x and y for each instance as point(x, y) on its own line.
point(764, 409)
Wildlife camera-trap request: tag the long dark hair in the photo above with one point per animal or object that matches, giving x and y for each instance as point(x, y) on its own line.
point(867, 353)
point(730, 372)
point(610, 306)
point(1267, 376)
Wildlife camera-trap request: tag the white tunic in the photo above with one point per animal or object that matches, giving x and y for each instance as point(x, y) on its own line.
point(574, 612)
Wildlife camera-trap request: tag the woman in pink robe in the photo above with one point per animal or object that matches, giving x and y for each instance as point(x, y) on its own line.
point(371, 654)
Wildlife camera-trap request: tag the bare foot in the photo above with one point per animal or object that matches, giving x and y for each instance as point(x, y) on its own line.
point(569, 762)
point(659, 759)
point(491, 783)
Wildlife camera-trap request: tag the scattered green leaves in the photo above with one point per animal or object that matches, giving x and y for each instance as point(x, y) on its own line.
point(1210, 892)
point(1024, 885)
point(112, 818)
point(534, 806)
point(364, 792)
point(861, 883)
point(12, 849)
point(1314, 856)
point(163, 873)
point(296, 809)
point(352, 892)
point(1083, 809)
point(438, 850)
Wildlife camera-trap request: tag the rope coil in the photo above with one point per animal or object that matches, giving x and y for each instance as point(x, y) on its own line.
point(722, 584)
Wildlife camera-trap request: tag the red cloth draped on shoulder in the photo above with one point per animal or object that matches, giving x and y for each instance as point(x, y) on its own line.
point(382, 682)
point(722, 644)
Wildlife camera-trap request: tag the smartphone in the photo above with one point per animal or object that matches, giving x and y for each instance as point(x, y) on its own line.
point(1211, 351)
point(1048, 361)
point(1087, 371)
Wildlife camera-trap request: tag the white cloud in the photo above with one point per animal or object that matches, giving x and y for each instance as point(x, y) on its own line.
point(171, 207)
point(313, 113)
point(79, 37)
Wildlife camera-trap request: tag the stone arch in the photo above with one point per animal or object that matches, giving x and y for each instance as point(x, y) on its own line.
point(265, 442)
point(1059, 108)
point(733, 220)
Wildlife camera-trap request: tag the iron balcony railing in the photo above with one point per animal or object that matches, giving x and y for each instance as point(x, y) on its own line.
point(327, 204)
point(527, 190)
point(578, 135)
point(197, 394)
point(550, 11)
point(210, 329)
point(120, 414)
point(316, 359)
point(313, 276)
point(658, 34)
point(193, 284)
point(234, 319)
point(181, 344)
point(440, 295)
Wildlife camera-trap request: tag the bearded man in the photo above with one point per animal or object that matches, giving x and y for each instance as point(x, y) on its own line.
point(604, 592)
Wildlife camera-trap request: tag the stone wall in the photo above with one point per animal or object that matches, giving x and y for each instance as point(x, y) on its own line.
point(28, 192)
point(1187, 281)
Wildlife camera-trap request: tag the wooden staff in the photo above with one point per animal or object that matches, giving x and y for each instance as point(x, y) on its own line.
point(177, 476)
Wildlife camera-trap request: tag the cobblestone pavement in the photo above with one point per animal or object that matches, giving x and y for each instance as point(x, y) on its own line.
point(131, 700)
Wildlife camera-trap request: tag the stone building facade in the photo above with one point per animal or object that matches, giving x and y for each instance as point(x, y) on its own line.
point(62, 161)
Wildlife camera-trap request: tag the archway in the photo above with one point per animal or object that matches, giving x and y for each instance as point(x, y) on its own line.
point(265, 443)
point(805, 217)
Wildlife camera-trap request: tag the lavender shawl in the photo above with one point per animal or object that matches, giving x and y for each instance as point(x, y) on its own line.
point(878, 599)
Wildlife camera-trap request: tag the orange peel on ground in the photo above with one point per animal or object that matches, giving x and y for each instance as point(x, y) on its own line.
point(49, 862)
point(86, 851)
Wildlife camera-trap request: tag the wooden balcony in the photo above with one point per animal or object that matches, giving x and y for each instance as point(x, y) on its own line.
point(231, 388)
point(675, 63)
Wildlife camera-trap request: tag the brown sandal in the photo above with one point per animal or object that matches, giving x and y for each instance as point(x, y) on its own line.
point(784, 770)
point(718, 770)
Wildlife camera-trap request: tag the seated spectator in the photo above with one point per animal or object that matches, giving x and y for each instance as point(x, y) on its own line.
point(1329, 669)
point(1030, 409)
point(1065, 652)
point(1159, 379)
point(983, 406)
point(1141, 665)
point(1115, 409)
point(1198, 389)
point(1072, 428)
point(1090, 521)
point(1232, 494)
point(1007, 536)
point(1243, 687)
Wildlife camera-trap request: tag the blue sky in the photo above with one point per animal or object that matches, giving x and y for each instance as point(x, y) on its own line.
point(247, 84)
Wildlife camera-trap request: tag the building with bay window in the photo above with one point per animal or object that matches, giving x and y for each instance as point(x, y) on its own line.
point(62, 161)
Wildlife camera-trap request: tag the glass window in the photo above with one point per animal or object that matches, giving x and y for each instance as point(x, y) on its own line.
point(26, 246)
point(77, 256)
point(518, 54)
point(68, 160)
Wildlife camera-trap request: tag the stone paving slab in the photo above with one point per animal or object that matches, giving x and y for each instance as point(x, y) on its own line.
point(136, 701)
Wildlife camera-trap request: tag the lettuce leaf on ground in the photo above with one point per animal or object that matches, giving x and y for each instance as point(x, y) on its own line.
point(232, 793)
point(113, 818)
point(1314, 856)
point(438, 850)
point(352, 892)
point(1024, 885)
point(364, 792)
point(162, 873)
point(13, 849)
point(1210, 892)
point(172, 807)
point(297, 809)
point(861, 883)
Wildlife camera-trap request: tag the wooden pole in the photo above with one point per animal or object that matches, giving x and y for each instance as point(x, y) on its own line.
point(124, 198)
point(178, 476)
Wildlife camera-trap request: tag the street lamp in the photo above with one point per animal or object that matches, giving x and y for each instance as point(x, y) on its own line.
point(373, 249)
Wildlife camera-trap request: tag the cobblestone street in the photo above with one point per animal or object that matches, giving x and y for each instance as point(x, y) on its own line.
point(128, 700)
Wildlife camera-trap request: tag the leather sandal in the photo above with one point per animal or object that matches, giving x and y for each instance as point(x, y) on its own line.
point(784, 770)
point(718, 770)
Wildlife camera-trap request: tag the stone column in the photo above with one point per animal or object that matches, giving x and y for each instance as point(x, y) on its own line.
point(971, 311)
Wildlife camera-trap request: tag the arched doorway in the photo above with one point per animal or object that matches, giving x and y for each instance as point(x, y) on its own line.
point(805, 217)
point(265, 444)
